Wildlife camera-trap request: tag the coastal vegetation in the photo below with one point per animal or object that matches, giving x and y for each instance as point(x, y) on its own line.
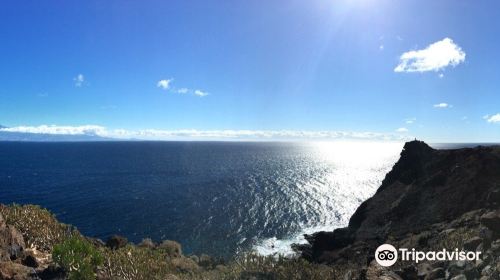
point(51, 249)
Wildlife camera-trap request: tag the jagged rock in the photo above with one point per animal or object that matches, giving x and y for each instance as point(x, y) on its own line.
point(471, 244)
point(11, 242)
point(492, 221)
point(116, 242)
point(14, 271)
point(436, 273)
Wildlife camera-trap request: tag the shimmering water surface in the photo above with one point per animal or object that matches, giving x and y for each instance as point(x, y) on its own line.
point(214, 197)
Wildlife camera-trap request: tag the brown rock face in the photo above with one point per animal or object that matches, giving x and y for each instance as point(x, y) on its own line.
point(11, 242)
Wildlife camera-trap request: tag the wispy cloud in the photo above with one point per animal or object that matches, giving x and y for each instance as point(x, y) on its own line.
point(492, 119)
point(410, 120)
point(183, 90)
point(156, 134)
point(200, 93)
point(164, 84)
point(79, 80)
point(442, 105)
point(434, 57)
point(402, 130)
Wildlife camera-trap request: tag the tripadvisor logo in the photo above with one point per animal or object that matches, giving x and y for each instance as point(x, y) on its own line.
point(387, 255)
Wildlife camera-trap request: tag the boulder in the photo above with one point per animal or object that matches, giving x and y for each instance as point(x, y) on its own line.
point(116, 242)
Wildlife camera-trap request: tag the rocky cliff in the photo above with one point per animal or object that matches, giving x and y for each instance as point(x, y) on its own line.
point(430, 199)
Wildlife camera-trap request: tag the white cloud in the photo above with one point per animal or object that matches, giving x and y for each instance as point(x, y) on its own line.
point(441, 75)
point(60, 130)
point(435, 57)
point(79, 80)
point(402, 129)
point(410, 120)
point(164, 84)
point(182, 90)
point(193, 134)
point(381, 47)
point(492, 119)
point(442, 105)
point(200, 93)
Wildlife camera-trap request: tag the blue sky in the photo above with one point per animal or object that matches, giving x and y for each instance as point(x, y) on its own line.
point(249, 67)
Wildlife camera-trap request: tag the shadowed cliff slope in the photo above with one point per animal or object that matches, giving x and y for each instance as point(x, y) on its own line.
point(425, 187)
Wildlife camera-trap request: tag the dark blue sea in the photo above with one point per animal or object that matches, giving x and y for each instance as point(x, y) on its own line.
point(219, 198)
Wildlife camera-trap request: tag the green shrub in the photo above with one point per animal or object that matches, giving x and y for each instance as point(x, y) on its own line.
point(78, 257)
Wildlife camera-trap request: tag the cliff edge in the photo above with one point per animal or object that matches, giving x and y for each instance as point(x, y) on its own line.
point(427, 194)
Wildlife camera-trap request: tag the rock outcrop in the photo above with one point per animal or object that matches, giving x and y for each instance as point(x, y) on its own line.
point(429, 199)
point(13, 254)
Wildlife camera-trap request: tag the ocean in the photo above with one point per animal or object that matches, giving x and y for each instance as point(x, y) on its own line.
point(219, 198)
